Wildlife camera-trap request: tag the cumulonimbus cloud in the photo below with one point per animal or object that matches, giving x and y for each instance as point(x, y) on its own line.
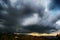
point(27, 16)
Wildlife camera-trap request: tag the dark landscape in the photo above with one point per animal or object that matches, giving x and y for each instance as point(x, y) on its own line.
point(25, 37)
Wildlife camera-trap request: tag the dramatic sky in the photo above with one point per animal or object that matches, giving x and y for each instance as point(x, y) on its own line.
point(25, 16)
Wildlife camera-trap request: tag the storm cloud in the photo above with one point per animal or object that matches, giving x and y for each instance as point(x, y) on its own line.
point(26, 16)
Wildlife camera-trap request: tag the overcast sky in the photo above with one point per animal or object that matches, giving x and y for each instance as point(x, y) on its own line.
point(29, 16)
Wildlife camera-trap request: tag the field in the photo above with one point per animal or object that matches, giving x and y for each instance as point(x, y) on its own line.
point(25, 37)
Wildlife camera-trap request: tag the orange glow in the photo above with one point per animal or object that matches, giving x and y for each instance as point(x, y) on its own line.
point(16, 37)
point(40, 34)
point(33, 34)
point(43, 34)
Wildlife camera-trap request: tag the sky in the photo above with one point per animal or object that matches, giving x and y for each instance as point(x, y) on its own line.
point(26, 16)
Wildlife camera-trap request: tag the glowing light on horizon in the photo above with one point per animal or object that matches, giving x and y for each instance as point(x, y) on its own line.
point(42, 34)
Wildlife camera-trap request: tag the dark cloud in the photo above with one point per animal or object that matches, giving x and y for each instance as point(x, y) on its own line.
point(14, 16)
point(40, 29)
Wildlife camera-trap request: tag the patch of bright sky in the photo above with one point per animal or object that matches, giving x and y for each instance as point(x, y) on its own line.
point(53, 11)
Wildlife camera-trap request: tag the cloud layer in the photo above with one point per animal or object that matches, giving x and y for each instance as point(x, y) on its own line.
point(27, 16)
